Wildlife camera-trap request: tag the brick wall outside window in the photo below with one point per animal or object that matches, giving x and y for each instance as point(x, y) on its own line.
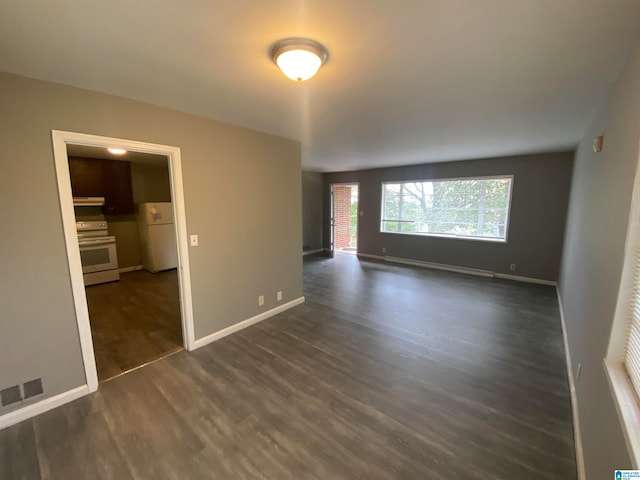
point(342, 212)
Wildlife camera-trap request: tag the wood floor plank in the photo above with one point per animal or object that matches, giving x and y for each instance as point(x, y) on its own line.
point(309, 399)
point(386, 372)
point(74, 442)
point(18, 453)
point(299, 421)
point(396, 358)
point(409, 374)
point(227, 436)
point(396, 412)
point(146, 428)
point(134, 321)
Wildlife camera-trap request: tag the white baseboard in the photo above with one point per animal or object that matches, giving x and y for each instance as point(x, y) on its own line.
point(577, 435)
point(310, 252)
point(130, 269)
point(518, 278)
point(201, 342)
point(29, 411)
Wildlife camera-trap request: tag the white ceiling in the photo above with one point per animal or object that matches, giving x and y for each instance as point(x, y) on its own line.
point(407, 81)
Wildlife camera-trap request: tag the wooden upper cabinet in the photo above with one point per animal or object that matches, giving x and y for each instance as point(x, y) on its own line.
point(116, 182)
point(86, 177)
point(111, 179)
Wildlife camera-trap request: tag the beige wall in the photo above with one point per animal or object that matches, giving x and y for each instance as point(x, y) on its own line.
point(150, 183)
point(242, 195)
point(312, 210)
point(592, 264)
point(125, 229)
point(538, 212)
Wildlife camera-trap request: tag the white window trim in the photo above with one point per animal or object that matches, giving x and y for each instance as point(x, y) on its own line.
point(626, 403)
point(624, 395)
point(447, 235)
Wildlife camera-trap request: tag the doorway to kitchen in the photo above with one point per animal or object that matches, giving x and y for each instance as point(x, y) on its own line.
point(142, 310)
point(344, 217)
point(124, 217)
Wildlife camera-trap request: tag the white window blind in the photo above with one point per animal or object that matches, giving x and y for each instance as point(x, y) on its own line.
point(632, 346)
point(622, 362)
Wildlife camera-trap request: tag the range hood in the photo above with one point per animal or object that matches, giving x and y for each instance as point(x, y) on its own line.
point(88, 201)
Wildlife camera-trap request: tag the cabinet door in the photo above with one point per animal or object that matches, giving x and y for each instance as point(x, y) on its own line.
point(86, 177)
point(116, 183)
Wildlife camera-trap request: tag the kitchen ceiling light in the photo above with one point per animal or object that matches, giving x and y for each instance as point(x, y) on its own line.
point(117, 151)
point(299, 58)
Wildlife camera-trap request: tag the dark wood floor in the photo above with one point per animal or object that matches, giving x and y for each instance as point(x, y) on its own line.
point(386, 372)
point(134, 321)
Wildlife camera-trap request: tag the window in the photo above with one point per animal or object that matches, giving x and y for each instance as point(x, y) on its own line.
point(475, 208)
point(632, 344)
point(622, 363)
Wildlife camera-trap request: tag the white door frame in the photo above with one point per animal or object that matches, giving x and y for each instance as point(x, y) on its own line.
point(332, 220)
point(60, 141)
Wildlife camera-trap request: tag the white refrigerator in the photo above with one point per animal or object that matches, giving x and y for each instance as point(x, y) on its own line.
point(157, 236)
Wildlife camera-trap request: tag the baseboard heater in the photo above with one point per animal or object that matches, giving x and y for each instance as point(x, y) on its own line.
point(442, 266)
point(454, 268)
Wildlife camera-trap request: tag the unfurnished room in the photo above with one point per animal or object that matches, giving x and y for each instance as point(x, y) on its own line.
point(320, 240)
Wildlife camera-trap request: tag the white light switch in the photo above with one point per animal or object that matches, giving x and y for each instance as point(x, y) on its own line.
point(194, 240)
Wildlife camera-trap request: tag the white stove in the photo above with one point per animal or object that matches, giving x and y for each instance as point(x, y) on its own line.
point(98, 252)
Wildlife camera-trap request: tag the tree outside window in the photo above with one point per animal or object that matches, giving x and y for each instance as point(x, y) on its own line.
point(474, 208)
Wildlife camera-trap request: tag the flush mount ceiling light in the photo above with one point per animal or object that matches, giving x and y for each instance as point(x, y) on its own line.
point(299, 58)
point(117, 151)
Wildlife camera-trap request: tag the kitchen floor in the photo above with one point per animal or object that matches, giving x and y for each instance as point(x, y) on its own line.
point(134, 321)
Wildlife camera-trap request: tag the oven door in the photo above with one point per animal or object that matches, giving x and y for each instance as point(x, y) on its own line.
point(98, 254)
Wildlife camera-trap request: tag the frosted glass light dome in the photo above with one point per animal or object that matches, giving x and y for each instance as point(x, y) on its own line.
point(299, 58)
point(299, 65)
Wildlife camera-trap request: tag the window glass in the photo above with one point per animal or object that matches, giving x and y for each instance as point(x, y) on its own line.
point(470, 207)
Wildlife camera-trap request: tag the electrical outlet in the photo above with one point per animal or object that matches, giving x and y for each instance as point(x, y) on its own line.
point(279, 295)
point(194, 240)
point(578, 372)
point(261, 300)
point(384, 249)
point(512, 266)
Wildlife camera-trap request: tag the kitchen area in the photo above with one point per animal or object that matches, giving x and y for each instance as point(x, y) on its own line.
point(127, 242)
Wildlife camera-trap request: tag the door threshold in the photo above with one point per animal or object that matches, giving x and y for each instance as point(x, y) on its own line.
point(161, 357)
point(347, 252)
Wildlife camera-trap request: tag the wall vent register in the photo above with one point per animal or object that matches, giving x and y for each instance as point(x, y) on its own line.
point(17, 393)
